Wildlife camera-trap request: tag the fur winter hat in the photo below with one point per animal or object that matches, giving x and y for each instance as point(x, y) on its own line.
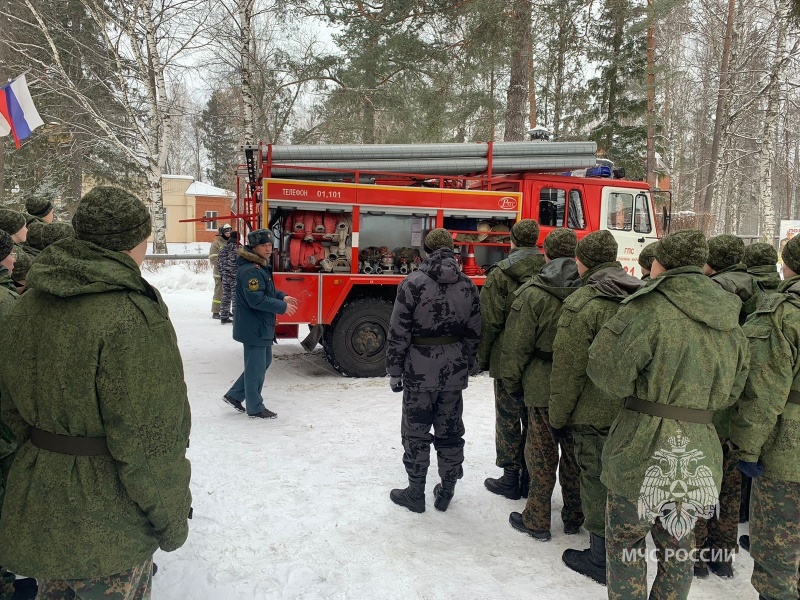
point(647, 255)
point(112, 218)
point(437, 239)
point(791, 254)
point(760, 255)
point(21, 266)
point(38, 207)
point(259, 237)
point(11, 221)
point(686, 248)
point(525, 233)
point(724, 251)
point(44, 234)
point(6, 245)
point(596, 248)
point(560, 243)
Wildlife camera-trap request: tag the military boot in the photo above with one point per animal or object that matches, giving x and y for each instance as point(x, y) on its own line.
point(744, 542)
point(721, 568)
point(443, 492)
point(701, 569)
point(590, 562)
point(507, 485)
point(25, 589)
point(515, 520)
point(412, 497)
point(524, 481)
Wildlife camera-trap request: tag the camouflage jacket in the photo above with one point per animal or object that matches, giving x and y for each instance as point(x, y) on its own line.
point(437, 300)
point(503, 279)
point(574, 398)
point(213, 252)
point(8, 291)
point(766, 277)
point(766, 426)
point(35, 226)
point(89, 350)
point(739, 282)
point(7, 442)
point(676, 342)
point(226, 261)
point(531, 327)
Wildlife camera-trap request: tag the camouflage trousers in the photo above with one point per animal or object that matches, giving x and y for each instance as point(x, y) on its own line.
point(228, 303)
point(442, 411)
point(6, 584)
point(542, 457)
point(215, 303)
point(133, 584)
point(511, 421)
point(626, 556)
point(720, 532)
point(589, 442)
point(775, 537)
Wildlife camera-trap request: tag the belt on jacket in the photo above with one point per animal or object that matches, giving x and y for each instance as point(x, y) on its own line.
point(435, 341)
point(541, 354)
point(676, 413)
point(67, 444)
point(794, 397)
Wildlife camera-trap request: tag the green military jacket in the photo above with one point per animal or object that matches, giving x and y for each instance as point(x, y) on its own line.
point(526, 355)
point(8, 444)
point(8, 291)
point(766, 276)
point(766, 426)
point(739, 282)
point(675, 342)
point(89, 350)
point(574, 398)
point(496, 299)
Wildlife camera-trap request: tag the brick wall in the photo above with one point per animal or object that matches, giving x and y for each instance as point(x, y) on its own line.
point(222, 206)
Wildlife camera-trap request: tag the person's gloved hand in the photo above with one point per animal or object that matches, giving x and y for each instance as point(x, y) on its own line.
point(751, 469)
point(559, 434)
point(475, 370)
point(396, 383)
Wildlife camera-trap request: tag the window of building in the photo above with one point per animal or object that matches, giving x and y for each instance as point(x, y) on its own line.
point(575, 215)
point(551, 207)
point(211, 225)
point(620, 211)
point(642, 221)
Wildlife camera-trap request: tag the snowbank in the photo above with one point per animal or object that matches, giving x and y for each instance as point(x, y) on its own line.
point(174, 276)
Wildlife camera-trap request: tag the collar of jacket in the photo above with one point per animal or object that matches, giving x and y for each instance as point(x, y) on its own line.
point(740, 267)
point(246, 253)
point(787, 285)
point(585, 277)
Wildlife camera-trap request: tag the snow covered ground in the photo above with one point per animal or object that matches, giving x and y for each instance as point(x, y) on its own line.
point(299, 507)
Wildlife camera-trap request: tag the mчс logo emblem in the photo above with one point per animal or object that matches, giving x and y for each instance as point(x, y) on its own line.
point(508, 203)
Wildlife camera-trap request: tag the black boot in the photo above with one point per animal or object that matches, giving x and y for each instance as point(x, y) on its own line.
point(25, 589)
point(744, 542)
point(701, 569)
point(412, 497)
point(722, 569)
point(515, 520)
point(507, 485)
point(443, 492)
point(590, 562)
point(524, 482)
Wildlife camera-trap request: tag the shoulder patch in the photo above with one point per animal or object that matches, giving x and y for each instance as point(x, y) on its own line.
point(252, 284)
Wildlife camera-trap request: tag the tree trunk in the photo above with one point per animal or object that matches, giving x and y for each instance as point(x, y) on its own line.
point(651, 97)
point(722, 96)
point(767, 152)
point(246, 68)
point(517, 94)
point(532, 122)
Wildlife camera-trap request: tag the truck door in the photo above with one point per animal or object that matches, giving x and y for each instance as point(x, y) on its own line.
point(627, 214)
point(558, 204)
point(304, 287)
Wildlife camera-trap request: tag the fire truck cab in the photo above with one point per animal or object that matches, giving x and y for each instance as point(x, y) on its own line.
point(343, 245)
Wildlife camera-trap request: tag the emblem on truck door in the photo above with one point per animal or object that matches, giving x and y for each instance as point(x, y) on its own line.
point(508, 203)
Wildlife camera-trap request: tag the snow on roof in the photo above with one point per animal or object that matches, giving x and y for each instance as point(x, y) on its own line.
point(189, 177)
point(198, 188)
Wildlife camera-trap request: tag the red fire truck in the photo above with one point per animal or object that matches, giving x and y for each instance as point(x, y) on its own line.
point(349, 222)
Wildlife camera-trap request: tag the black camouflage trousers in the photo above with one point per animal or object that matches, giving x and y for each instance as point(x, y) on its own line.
point(442, 411)
point(542, 456)
point(626, 555)
point(775, 537)
point(228, 304)
point(720, 532)
point(133, 584)
point(511, 422)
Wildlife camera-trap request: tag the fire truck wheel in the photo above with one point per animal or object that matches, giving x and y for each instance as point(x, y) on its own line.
point(359, 336)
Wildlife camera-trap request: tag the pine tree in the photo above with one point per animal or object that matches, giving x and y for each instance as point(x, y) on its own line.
point(219, 138)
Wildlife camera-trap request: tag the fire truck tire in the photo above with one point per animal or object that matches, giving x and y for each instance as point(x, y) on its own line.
point(358, 338)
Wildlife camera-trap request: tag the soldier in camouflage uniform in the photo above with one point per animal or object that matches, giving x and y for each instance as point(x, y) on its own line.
point(761, 260)
point(42, 235)
point(20, 272)
point(766, 432)
point(645, 261)
point(433, 339)
point(8, 257)
point(676, 353)
point(226, 263)
point(724, 266)
point(102, 437)
point(525, 364)
point(524, 261)
point(223, 235)
point(575, 401)
point(38, 209)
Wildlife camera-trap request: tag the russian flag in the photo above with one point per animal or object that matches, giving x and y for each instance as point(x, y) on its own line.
point(18, 115)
